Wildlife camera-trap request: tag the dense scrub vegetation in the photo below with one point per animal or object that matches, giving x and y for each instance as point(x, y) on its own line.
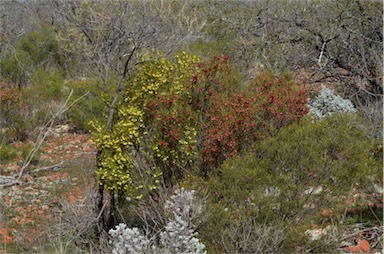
point(207, 117)
point(284, 182)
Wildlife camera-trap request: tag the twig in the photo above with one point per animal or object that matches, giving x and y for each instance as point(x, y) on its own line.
point(321, 55)
point(377, 229)
point(41, 137)
point(101, 211)
point(55, 167)
point(6, 181)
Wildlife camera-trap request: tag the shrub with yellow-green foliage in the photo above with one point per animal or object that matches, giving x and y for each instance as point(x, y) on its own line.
point(126, 162)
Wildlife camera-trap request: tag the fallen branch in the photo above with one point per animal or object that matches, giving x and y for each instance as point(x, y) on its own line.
point(374, 230)
point(55, 167)
point(6, 181)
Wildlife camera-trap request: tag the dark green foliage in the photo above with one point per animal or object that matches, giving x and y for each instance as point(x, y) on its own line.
point(41, 47)
point(36, 49)
point(6, 154)
point(15, 152)
point(48, 83)
point(12, 68)
point(89, 108)
point(277, 184)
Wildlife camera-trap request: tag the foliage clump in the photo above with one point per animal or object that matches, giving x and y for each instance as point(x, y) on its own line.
point(128, 240)
point(178, 235)
point(327, 103)
point(89, 108)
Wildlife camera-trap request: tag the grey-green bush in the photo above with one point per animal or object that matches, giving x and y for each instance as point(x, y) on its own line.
point(328, 103)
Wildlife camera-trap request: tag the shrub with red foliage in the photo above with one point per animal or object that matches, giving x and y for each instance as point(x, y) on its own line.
point(8, 94)
point(227, 118)
point(12, 107)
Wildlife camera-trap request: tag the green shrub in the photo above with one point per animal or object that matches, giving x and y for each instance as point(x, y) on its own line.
point(44, 97)
point(47, 84)
point(22, 110)
point(36, 49)
point(15, 152)
point(7, 154)
point(89, 108)
point(42, 47)
point(12, 67)
point(283, 183)
point(32, 67)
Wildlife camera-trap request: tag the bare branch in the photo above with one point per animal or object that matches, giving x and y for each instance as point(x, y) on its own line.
point(43, 134)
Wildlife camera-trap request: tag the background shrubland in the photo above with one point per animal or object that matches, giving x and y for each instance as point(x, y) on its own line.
point(240, 126)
